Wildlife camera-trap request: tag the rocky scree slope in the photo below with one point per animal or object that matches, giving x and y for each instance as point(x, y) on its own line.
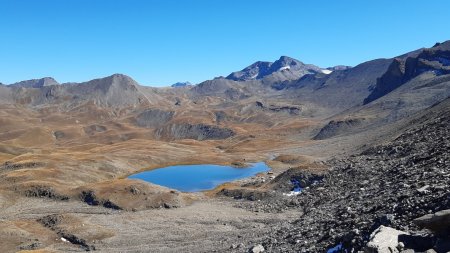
point(390, 185)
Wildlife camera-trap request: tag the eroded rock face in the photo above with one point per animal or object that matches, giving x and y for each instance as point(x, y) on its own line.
point(334, 128)
point(197, 132)
point(287, 109)
point(391, 80)
point(435, 59)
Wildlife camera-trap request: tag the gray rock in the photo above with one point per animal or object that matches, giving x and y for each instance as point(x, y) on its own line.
point(257, 249)
point(384, 240)
point(193, 131)
point(438, 222)
point(424, 189)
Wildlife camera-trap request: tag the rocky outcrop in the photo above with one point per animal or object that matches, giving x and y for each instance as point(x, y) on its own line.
point(243, 193)
point(334, 128)
point(54, 222)
point(391, 80)
point(153, 118)
point(287, 109)
point(90, 198)
point(435, 59)
point(43, 191)
point(17, 166)
point(438, 222)
point(384, 240)
point(297, 177)
point(93, 129)
point(59, 135)
point(193, 131)
point(130, 195)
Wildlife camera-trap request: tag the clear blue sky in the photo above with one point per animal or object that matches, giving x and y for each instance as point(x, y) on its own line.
point(164, 41)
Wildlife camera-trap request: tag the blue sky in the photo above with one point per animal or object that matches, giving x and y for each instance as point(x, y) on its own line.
point(161, 42)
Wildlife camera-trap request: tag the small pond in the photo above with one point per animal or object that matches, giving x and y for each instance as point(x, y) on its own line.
point(193, 178)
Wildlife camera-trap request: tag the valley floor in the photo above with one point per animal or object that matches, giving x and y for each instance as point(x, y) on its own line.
point(209, 225)
point(344, 199)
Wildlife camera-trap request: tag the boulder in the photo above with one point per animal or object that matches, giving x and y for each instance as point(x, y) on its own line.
point(384, 240)
point(438, 222)
point(257, 249)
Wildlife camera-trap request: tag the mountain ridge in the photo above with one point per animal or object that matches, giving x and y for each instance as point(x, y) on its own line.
point(286, 76)
point(71, 147)
point(36, 83)
point(261, 69)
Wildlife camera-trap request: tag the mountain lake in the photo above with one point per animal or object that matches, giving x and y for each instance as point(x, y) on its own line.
point(194, 178)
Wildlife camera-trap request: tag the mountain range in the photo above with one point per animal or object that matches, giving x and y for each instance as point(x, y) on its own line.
point(67, 149)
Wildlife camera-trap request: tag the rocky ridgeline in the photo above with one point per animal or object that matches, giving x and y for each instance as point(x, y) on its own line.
point(370, 195)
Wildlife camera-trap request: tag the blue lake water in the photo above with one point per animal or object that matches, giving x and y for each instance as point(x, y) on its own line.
point(193, 178)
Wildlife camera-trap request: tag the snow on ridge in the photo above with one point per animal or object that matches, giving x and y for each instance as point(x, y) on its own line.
point(284, 68)
point(254, 76)
point(326, 71)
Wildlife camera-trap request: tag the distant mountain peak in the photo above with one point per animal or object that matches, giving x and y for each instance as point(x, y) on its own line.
point(294, 69)
point(117, 81)
point(338, 67)
point(122, 78)
point(36, 83)
point(181, 84)
point(288, 60)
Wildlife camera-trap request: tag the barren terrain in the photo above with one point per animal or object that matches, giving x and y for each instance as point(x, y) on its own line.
point(66, 151)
